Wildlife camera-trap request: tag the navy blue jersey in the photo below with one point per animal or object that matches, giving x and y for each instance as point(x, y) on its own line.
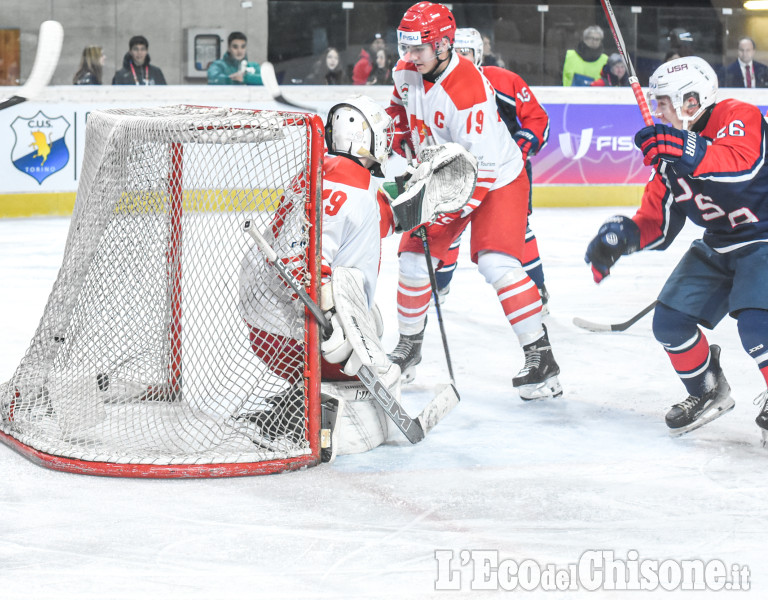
point(727, 193)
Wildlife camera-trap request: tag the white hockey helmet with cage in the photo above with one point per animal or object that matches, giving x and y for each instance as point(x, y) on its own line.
point(683, 78)
point(469, 38)
point(360, 128)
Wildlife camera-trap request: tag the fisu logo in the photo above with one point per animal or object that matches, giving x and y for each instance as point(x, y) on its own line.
point(567, 148)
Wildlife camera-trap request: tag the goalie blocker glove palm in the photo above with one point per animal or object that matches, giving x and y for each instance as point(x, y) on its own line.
point(682, 149)
point(527, 142)
point(618, 236)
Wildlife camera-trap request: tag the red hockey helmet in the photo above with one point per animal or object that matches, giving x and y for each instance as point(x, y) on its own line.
point(426, 23)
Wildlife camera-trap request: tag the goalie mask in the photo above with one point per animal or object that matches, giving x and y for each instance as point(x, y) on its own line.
point(360, 128)
point(681, 79)
point(469, 38)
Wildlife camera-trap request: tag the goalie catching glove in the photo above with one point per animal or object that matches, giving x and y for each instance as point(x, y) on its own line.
point(442, 183)
point(354, 339)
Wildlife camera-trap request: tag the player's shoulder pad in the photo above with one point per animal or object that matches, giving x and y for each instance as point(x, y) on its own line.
point(465, 86)
point(345, 171)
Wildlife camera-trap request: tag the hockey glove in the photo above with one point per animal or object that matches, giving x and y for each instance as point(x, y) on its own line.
point(618, 236)
point(527, 142)
point(402, 135)
point(683, 149)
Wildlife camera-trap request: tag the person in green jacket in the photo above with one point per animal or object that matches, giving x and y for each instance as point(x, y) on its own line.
point(233, 68)
point(583, 65)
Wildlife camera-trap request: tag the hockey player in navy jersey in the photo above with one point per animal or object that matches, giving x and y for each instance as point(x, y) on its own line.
point(528, 124)
point(709, 166)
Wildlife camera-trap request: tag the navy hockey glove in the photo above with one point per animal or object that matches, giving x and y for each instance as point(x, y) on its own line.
point(618, 236)
point(683, 149)
point(527, 142)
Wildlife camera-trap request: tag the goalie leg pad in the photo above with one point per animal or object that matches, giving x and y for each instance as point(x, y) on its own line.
point(356, 422)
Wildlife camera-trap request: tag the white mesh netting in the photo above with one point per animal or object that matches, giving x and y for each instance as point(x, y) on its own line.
point(167, 338)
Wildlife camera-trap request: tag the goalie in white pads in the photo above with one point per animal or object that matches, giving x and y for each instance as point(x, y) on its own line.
point(355, 218)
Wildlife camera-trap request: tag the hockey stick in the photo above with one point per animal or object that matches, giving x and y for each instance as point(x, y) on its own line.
point(48, 49)
point(633, 81)
point(421, 233)
point(599, 327)
point(413, 429)
point(269, 79)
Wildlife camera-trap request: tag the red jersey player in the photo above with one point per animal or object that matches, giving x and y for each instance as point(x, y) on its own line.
point(439, 97)
point(528, 123)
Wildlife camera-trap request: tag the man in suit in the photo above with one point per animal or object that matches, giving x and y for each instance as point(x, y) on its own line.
point(746, 72)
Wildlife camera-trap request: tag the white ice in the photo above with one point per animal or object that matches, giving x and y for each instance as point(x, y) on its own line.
point(546, 481)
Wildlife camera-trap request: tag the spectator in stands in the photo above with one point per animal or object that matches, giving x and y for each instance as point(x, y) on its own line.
point(745, 71)
point(328, 70)
point(136, 68)
point(614, 73)
point(382, 70)
point(489, 58)
point(584, 64)
point(233, 68)
point(91, 65)
point(364, 64)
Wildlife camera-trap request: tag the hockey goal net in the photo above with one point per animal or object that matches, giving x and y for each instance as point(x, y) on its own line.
point(169, 347)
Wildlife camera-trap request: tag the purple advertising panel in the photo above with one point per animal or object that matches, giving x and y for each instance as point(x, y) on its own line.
point(591, 144)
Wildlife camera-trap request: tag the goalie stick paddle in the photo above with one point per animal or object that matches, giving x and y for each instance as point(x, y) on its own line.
point(600, 327)
point(48, 49)
point(413, 429)
point(269, 79)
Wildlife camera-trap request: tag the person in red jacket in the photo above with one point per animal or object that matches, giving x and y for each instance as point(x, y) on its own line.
point(364, 64)
point(613, 74)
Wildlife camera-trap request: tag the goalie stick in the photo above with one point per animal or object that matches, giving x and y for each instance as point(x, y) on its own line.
point(269, 79)
point(48, 49)
point(413, 429)
point(599, 327)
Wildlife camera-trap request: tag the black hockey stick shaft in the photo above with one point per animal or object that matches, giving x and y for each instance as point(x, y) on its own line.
point(269, 79)
point(592, 326)
point(413, 429)
point(421, 232)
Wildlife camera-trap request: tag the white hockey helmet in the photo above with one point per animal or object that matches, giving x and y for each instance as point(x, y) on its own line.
point(360, 128)
point(469, 38)
point(680, 79)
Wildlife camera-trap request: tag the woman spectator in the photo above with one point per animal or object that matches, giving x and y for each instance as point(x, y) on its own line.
point(91, 65)
point(382, 69)
point(614, 73)
point(328, 70)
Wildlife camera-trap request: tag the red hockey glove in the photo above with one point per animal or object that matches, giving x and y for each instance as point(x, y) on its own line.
point(527, 142)
point(683, 149)
point(402, 134)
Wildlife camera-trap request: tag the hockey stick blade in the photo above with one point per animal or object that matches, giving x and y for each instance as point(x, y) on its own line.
point(269, 79)
point(443, 403)
point(413, 429)
point(602, 327)
point(47, 57)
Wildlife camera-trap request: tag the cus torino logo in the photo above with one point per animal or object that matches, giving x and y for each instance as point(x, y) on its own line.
point(615, 143)
point(40, 149)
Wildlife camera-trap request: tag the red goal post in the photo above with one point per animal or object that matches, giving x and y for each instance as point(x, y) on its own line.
point(169, 347)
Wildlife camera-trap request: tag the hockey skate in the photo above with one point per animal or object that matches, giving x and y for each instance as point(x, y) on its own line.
point(407, 354)
point(693, 412)
point(762, 418)
point(538, 377)
point(282, 417)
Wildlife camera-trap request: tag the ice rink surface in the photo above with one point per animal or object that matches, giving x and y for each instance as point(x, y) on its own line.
point(542, 482)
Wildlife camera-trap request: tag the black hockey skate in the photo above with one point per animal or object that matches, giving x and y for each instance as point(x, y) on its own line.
point(762, 418)
point(693, 412)
point(282, 417)
point(538, 377)
point(407, 354)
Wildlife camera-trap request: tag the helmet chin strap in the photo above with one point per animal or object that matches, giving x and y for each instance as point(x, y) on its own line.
point(433, 74)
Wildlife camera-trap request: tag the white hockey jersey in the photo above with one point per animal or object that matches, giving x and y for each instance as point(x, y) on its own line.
point(459, 107)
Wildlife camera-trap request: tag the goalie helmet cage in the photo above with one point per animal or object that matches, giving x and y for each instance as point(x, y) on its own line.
point(168, 346)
